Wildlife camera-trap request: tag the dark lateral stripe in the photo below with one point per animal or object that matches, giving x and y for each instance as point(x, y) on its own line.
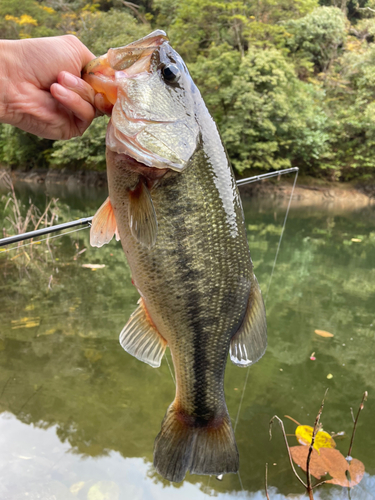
point(193, 300)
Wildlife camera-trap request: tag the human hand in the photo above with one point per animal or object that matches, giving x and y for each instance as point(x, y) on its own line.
point(40, 86)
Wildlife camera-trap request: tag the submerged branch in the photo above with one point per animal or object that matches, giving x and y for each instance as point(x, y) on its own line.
point(266, 478)
point(361, 406)
point(315, 430)
point(287, 446)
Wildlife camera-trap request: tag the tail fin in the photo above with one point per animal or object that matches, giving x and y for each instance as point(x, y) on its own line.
point(180, 447)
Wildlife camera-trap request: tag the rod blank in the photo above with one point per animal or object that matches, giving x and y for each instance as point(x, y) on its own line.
point(45, 230)
point(256, 178)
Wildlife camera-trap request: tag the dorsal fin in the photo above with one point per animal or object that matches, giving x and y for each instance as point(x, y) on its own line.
point(250, 342)
point(142, 216)
point(141, 339)
point(103, 226)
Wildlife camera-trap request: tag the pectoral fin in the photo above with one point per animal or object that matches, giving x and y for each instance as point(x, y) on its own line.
point(104, 226)
point(142, 216)
point(141, 339)
point(249, 344)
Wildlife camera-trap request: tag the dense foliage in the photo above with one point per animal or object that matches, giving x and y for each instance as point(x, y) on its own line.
point(289, 82)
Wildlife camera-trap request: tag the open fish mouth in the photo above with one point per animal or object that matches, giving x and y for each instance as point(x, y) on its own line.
point(130, 61)
point(153, 116)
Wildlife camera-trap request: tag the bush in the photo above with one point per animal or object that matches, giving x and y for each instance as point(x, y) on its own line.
point(87, 151)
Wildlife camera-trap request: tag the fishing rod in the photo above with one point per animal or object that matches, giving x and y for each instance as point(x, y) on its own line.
point(45, 230)
point(87, 220)
point(255, 178)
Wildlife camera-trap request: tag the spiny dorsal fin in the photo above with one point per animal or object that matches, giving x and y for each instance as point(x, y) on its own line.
point(142, 216)
point(141, 339)
point(250, 342)
point(103, 226)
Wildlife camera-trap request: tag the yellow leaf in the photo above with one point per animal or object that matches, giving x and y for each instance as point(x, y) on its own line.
point(322, 439)
point(323, 333)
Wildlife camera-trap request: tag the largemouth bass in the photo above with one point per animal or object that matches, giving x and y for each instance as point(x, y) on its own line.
point(174, 204)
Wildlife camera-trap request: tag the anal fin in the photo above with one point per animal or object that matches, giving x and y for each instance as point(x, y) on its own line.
point(141, 339)
point(250, 342)
point(103, 226)
point(142, 216)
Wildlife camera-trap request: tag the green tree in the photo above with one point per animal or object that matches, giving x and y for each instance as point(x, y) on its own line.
point(267, 116)
point(318, 36)
point(102, 30)
point(20, 149)
point(351, 94)
point(86, 151)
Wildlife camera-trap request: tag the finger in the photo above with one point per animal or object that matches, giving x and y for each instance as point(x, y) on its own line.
point(73, 102)
point(77, 85)
point(102, 104)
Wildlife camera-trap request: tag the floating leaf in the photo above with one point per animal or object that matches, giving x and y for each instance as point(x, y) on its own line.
point(323, 333)
point(329, 461)
point(356, 240)
point(317, 466)
point(356, 471)
point(93, 266)
point(322, 439)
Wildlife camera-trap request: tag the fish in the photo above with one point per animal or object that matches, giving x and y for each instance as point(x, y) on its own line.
point(174, 205)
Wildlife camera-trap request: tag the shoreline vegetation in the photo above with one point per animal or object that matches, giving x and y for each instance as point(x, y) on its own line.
point(309, 191)
point(289, 83)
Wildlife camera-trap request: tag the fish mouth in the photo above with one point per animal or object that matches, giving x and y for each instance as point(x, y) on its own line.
point(130, 61)
point(153, 118)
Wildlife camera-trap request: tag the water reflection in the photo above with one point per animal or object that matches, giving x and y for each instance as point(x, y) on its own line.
point(77, 409)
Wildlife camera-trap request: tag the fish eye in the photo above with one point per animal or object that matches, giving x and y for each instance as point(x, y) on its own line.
point(170, 73)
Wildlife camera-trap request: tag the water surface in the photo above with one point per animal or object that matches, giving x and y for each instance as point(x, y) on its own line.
point(79, 415)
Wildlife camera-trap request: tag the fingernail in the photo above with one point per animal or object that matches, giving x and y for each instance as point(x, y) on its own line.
point(70, 80)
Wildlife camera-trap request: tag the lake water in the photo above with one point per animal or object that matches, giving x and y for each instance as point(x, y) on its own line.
point(78, 415)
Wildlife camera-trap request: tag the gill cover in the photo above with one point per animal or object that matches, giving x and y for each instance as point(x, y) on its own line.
point(153, 118)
